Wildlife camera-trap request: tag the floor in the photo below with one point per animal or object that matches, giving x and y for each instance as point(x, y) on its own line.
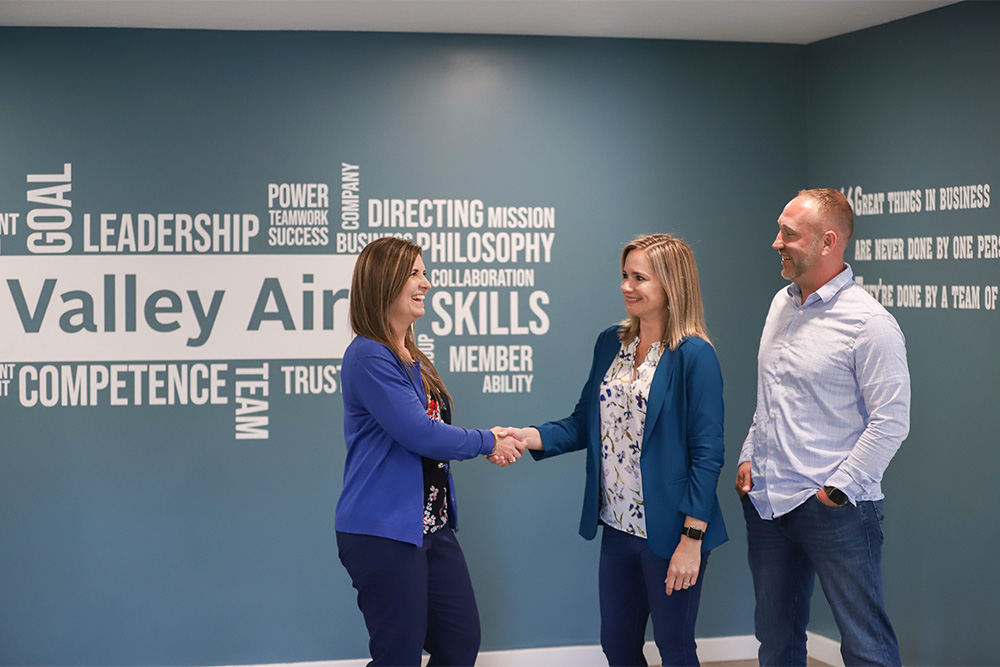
point(753, 663)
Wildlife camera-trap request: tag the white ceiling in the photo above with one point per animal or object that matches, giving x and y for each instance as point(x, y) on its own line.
point(781, 21)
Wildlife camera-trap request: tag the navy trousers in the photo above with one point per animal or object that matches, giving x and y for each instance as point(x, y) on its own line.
point(414, 598)
point(633, 586)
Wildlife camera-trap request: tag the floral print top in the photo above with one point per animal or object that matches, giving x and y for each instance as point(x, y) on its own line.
point(623, 416)
point(435, 478)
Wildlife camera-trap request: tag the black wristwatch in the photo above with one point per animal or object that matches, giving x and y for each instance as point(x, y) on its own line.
point(836, 496)
point(693, 533)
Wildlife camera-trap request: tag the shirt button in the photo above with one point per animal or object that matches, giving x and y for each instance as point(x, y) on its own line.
point(777, 380)
point(788, 344)
point(772, 415)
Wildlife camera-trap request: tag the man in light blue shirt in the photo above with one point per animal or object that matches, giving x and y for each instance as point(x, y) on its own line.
point(833, 405)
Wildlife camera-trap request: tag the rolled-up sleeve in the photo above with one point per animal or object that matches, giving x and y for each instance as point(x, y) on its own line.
point(884, 381)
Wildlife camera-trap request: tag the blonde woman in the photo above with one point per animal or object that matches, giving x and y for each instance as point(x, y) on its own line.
point(650, 418)
point(396, 515)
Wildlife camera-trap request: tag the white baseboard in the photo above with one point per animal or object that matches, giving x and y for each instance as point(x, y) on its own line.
point(711, 649)
point(824, 649)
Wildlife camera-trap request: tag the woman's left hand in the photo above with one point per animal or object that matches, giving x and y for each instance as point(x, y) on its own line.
point(684, 565)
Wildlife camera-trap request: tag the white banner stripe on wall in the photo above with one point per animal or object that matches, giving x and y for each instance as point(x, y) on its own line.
point(181, 307)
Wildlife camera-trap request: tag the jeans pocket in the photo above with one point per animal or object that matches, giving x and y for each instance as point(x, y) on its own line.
point(829, 508)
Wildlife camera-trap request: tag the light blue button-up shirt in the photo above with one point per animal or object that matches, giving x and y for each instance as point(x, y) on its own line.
point(833, 397)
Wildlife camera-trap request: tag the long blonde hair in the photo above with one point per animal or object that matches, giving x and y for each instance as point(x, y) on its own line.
point(675, 268)
point(382, 269)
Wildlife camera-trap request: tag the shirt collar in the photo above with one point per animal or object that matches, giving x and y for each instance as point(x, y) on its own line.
point(630, 350)
point(827, 291)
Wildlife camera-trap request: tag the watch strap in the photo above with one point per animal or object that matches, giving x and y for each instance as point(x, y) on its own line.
point(693, 533)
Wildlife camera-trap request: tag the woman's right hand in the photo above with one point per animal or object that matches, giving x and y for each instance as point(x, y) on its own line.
point(508, 448)
point(527, 438)
point(530, 436)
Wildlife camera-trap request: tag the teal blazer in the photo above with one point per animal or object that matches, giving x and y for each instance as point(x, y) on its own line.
point(682, 445)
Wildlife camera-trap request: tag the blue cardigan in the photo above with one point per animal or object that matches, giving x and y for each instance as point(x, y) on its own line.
point(387, 431)
point(682, 445)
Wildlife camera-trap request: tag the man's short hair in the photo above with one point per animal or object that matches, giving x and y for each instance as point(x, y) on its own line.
point(835, 208)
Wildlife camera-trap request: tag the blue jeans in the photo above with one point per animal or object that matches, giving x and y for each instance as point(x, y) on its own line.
point(632, 586)
point(843, 546)
point(414, 598)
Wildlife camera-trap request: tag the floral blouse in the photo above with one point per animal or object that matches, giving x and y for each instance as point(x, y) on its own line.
point(435, 478)
point(623, 416)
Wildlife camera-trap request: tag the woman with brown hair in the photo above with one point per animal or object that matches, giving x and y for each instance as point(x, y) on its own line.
point(396, 515)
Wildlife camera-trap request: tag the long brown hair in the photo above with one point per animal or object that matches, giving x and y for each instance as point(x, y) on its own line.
point(675, 268)
point(382, 269)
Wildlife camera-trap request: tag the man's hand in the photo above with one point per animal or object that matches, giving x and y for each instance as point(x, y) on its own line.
point(744, 481)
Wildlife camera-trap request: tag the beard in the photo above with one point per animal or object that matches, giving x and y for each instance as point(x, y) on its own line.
point(799, 266)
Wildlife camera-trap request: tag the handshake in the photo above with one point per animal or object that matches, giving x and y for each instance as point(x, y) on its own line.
point(511, 443)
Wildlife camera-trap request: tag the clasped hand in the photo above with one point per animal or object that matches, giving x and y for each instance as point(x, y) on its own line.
point(509, 447)
point(511, 443)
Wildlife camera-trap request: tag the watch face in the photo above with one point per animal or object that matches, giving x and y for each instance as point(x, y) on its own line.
point(835, 495)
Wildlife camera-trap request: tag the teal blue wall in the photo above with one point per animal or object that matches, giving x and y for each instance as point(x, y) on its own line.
point(149, 535)
point(914, 105)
